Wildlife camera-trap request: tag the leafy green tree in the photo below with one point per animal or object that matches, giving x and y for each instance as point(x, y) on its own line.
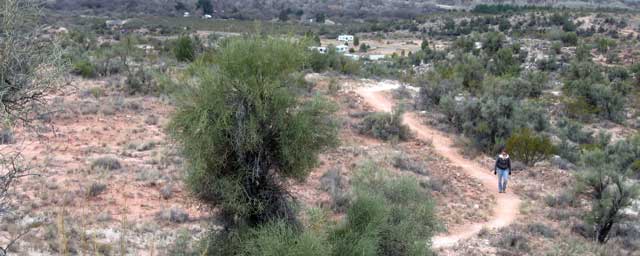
point(244, 130)
point(356, 41)
point(528, 147)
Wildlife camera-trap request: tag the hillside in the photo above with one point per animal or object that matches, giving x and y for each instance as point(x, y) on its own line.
point(304, 9)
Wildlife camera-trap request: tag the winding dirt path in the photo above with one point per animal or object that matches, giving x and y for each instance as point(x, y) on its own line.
point(507, 204)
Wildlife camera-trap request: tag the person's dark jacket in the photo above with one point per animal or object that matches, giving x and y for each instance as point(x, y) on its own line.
point(502, 162)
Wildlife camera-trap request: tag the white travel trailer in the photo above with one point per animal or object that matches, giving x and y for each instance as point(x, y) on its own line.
point(342, 48)
point(345, 38)
point(376, 57)
point(320, 49)
point(352, 56)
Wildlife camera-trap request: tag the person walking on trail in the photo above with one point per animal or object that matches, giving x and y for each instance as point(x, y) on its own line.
point(503, 170)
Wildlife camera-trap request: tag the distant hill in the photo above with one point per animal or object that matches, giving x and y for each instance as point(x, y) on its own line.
point(304, 9)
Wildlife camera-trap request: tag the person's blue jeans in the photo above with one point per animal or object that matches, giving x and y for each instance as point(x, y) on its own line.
point(503, 177)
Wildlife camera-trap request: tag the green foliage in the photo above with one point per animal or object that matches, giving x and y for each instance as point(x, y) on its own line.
point(490, 119)
point(605, 44)
point(472, 71)
point(84, 68)
point(356, 41)
point(106, 163)
point(493, 42)
point(585, 81)
point(184, 49)
point(609, 189)
point(424, 45)
point(244, 130)
point(583, 52)
point(386, 126)
point(363, 47)
point(334, 61)
point(528, 147)
point(506, 8)
point(281, 239)
point(390, 216)
point(504, 63)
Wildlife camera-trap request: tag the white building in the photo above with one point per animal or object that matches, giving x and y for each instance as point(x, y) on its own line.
point(376, 57)
point(320, 49)
point(186, 14)
point(115, 23)
point(207, 16)
point(345, 38)
point(352, 56)
point(342, 48)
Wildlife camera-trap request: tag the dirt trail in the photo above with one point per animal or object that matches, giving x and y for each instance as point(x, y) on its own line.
point(506, 204)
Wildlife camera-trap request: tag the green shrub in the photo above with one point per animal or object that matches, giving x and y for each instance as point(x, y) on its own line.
point(607, 185)
point(360, 235)
point(385, 126)
point(140, 81)
point(529, 148)
point(564, 199)
point(281, 239)
point(333, 61)
point(96, 189)
point(184, 49)
point(390, 216)
point(106, 163)
point(84, 68)
point(542, 230)
point(402, 162)
point(574, 131)
point(244, 130)
point(513, 242)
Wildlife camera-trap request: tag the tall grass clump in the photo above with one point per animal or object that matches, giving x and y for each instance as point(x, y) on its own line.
point(184, 49)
